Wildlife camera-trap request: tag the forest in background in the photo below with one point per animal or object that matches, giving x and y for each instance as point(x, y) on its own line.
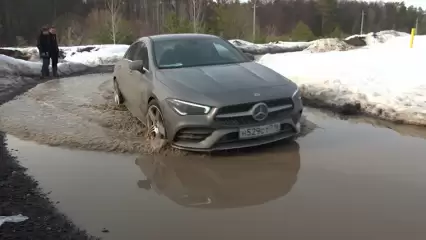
point(122, 21)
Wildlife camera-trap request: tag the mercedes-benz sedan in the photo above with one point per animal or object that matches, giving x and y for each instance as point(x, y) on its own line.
point(201, 93)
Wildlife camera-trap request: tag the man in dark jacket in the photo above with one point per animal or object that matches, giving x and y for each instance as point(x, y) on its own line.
point(43, 45)
point(54, 50)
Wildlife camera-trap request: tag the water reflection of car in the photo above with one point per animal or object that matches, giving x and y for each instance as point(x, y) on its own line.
point(223, 182)
point(201, 93)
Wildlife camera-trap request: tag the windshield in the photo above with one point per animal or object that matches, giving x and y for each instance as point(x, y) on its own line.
point(181, 53)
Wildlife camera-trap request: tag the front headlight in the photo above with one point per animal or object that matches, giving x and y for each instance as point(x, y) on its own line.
point(186, 108)
point(297, 94)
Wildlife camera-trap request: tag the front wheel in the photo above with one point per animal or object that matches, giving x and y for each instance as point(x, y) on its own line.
point(156, 131)
point(118, 97)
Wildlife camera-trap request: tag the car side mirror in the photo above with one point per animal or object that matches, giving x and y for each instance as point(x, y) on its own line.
point(250, 56)
point(137, 65)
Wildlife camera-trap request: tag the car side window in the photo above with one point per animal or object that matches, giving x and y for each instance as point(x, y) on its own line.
point(142, 54)
point(130, 53)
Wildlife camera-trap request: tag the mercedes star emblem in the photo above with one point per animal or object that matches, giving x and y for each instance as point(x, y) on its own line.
point(260, 112)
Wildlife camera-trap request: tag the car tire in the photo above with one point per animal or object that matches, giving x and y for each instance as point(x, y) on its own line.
point(154, 122)
point(118, 97)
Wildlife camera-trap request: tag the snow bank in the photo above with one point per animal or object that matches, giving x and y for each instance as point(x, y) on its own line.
point(374, 38)
point(278, 47)
point(95, 55)
point(386, 81)
point(75, 59)
point(404, 42)
point(321, 45)
point(327, 45)
point(13, 66)
point(91, 55)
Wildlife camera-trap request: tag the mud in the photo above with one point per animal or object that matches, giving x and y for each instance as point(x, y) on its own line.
point(79, 113)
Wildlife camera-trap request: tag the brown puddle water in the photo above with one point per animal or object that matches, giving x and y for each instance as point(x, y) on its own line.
point(345, 180)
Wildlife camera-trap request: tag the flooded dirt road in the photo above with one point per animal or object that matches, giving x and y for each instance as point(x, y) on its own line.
point(347, 179)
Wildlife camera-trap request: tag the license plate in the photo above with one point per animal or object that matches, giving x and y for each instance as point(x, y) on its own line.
point(259, 131)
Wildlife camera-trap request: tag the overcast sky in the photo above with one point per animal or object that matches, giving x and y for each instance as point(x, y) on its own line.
point(417, 3)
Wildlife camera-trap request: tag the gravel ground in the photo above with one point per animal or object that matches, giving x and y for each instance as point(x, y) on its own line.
point(19, 193)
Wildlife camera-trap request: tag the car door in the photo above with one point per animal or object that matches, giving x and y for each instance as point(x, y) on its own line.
point(141, 81)
point(122, 72)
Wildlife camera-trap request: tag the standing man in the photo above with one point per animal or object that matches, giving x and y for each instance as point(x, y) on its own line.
point(54, 50)
point(43, 45)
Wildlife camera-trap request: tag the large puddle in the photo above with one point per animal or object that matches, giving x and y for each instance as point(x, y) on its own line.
point(348, 179)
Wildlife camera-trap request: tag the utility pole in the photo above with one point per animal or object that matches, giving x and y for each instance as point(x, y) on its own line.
point(254, 19)
point(362, 22)
point(158, 16)
point(194, 17)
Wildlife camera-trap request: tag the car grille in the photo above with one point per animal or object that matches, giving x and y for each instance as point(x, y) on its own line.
point(248, 119)
point(247, 106)
point(193, 134)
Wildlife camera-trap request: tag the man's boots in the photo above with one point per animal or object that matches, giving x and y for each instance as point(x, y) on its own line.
point(55, 72)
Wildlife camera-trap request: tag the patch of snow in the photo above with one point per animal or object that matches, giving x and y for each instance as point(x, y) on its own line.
point(404, 42)
point(76, 59)
point(278, 47)
point(30, 51)
point(12, 66)
point(327, 45)
point(239, 42)
point(94, 55)
point(100, 54)
point(375, 38)
point(386, 81)
point(13, 219)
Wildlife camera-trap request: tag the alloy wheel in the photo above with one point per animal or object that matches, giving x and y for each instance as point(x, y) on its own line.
point(155, 123)
point(116, 98)
point(117, 95)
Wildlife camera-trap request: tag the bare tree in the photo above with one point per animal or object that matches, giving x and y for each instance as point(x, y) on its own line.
point(196, 10)
point(113, 7)
point(72, 34)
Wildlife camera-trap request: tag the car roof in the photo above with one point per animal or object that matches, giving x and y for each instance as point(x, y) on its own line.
point(165, 37)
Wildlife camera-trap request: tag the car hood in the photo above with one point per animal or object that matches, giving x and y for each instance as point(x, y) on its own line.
point(226, 84)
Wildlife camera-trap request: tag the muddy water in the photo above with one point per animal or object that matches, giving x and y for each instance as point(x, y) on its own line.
point(75, 112)
point(348, 179)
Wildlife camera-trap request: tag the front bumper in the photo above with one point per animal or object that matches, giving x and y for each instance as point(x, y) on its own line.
point(213, 142)
point(206, 134)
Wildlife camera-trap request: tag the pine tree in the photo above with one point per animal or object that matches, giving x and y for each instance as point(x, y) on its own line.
point(328, 9)
point(302, 32)
point(337, 33)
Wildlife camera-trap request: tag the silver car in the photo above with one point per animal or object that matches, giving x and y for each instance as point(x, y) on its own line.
point(201, 93)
